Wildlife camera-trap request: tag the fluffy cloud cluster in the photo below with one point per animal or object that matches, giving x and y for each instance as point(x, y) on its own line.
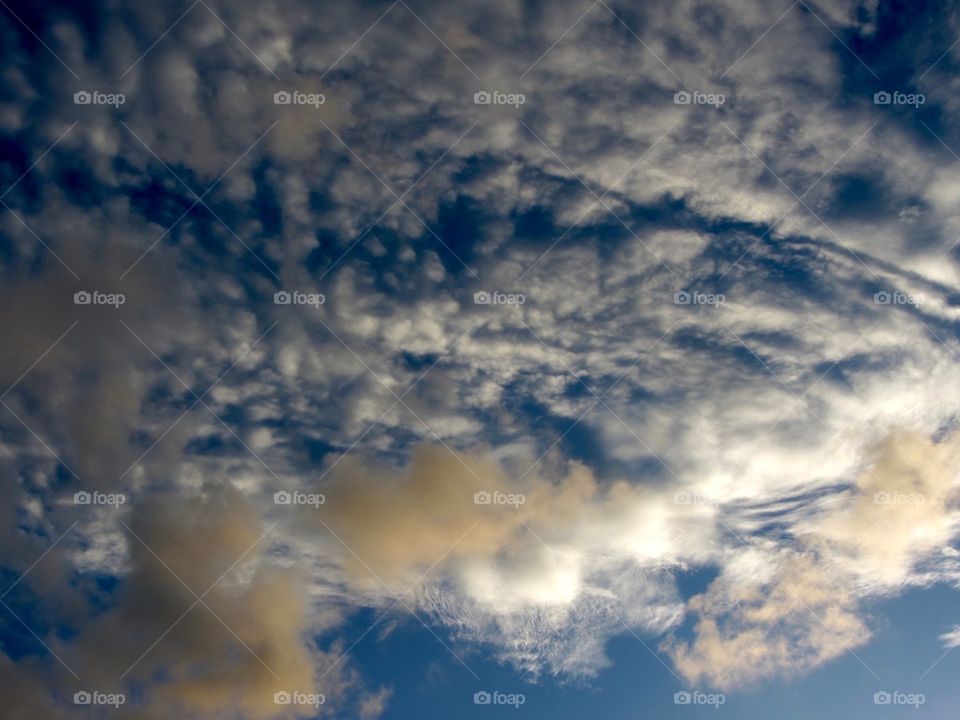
point(200, 623)
point(803, 608)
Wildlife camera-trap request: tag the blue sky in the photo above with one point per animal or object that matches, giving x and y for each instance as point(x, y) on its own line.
point(380, 360)
point(638, 685)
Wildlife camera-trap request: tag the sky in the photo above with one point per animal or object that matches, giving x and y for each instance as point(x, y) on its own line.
point(479, 359)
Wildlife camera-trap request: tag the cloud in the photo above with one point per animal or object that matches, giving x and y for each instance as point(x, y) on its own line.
point(951, 639)
point(805, 606)
point(26, 689)
point(766, 407)
point(797, 620)
point(201, 623)
point(904, 509)
point(398, 526)
point(81, 357)
point(546, 583)
point(374, 705)
point(544, 579)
